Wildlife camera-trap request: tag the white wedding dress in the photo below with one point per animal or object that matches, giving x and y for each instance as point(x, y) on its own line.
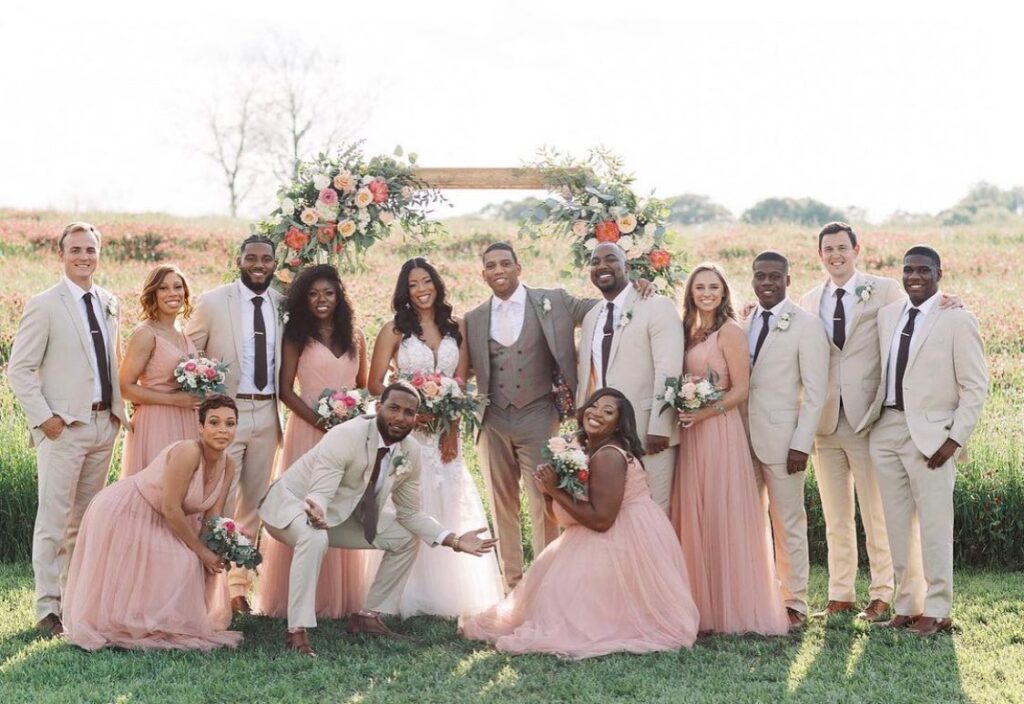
point(443, 582)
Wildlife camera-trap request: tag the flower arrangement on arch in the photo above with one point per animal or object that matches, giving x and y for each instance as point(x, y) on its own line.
point(591, 202)
point(339, 206)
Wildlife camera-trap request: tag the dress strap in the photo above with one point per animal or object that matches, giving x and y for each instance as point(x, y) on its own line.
point(625, 455)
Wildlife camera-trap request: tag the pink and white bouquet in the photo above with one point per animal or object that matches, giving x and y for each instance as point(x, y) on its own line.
point(335, 407)
point(201, 375)
point(444, 402)
point(226, 538)
point(690, 392)
point(570, 463)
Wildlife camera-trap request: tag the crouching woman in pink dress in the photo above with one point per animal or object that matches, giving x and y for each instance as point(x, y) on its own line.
point(140, 576)
point(615, 580)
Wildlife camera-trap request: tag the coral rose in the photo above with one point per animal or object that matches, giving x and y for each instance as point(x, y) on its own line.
point(295, 262)
point(379, 188)
point(659, 258)
point(607, 231)
point(309, 216)
point(583, 475)
point(325, 233)
point(329, 196)
point(296, 238)
point(346, 228)
point(364, 197)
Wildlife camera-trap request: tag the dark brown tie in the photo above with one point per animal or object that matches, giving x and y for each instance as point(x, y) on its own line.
point(902, 354)
point(839, 320)
point(259, 376)
point(766, 315)
point(368, 504)
point(606, 343)
point(102, 364)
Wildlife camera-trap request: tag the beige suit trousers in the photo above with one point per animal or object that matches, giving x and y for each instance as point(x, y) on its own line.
point(72, 470)
point(510, 447)
point(842, 463)
point(310, 545)
point(253, 452)
point(783, 497)
point(661, 470)
point(918, 505)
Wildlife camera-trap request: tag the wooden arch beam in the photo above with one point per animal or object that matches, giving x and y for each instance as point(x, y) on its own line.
point(481, 178)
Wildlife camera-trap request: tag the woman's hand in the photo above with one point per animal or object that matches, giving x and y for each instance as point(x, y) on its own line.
point(448, 443)
point(688, 419)
point(183, 399)
point(546, 478)
point(212, 563)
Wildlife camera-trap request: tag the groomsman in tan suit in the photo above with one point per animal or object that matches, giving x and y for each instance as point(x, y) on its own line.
point(632, 345)
point(788, 384)
point(238, 323)
point(336, 495)
point(932, 391)
point(63, 371)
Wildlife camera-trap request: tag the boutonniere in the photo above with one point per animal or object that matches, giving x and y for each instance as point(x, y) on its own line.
point(863, 292)
point(783, 323)
point(626, 317)
point(111, 308)
point(282, 316)
point(400, 463)
point(545, 305)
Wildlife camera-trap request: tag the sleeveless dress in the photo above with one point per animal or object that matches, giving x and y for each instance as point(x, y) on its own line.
point(718, 515)
point(133, 583)
point(155, 426)
point(443, 582)
point(591, 593)
point(345, 575)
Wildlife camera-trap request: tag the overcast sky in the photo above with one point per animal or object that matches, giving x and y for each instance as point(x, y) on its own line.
point(882, 105)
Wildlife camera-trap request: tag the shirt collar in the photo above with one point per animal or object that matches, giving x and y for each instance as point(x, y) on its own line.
point(619, 300)
point(518, 297)
point(776, 311)
point(77, 291)
point(925, 307)
point(247, 293)
point(850, 286)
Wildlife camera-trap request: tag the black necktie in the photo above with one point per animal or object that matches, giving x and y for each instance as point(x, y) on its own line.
point(106, 392)
point(368, 503)
point(766, 315)
point(902, 354)
point(839, 321)
point(259, 377)
point(606, 342)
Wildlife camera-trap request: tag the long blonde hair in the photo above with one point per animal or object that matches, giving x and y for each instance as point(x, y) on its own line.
point(691, 315)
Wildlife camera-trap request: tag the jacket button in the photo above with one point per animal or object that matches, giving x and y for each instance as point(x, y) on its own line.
point(501, 386)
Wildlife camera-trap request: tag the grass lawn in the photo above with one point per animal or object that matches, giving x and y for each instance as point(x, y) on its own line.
point(837, 661)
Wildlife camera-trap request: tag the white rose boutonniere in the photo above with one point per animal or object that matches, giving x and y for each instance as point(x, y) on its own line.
point(111, 308)
point(282, 316)
point(400, 463)
point(864, 292)
point(545, 305)
point(625, 319)
point(784, 321)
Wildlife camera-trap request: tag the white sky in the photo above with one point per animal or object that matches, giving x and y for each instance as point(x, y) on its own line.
point(882, 105)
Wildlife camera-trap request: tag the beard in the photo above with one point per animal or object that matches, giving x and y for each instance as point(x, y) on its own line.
point(252, 285)
point(382, 428)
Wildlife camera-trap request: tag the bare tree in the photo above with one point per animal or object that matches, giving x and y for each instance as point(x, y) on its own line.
point(235, 141)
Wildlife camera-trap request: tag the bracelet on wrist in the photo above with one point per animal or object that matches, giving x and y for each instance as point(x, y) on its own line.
point(720, 408)
point(455, 543)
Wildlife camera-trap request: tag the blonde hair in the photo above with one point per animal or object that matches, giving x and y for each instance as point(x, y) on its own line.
point(77, 226)
point(155, 278)
point(691, 315)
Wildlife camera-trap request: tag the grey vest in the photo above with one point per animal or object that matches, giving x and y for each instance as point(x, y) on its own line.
point(522, 373)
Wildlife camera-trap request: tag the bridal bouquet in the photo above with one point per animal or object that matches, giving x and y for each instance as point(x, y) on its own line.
point(444, 402)
point(226, 538)
point(690, 392)
point(570, 463)
point(335, 407)
point(201, 375)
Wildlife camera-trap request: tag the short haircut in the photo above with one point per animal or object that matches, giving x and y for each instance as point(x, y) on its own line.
point(216, 401)
point(78, 226)
point(618, 248)
point(834, 228)
point(503, 246)
point(256, 239)
point(402, 386)
point(925, 251)
point(770, 255)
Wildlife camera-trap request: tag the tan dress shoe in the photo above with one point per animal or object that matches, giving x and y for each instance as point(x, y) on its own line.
point(240, 605)
point(796, 619)
point(929, 626)
point(898, 622)
point(299, 643)
point(834, 607)
point(874, 611)
point(370, 625)
point(51, 625)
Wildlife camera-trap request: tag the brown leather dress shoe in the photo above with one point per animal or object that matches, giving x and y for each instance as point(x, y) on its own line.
point(874, 611)
point(299, 642)
point(834, 607)
point(929, 626)
point(240, 605)
point(898, 622)
point(371, 626)
point(796, 619)
point(51, 625)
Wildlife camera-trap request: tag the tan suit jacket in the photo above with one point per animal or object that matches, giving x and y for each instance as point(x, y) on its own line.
point(946, 380)
point(644, 351)
point(788, 385)
point(49, 370)
point(335, 473)
point(854, 372)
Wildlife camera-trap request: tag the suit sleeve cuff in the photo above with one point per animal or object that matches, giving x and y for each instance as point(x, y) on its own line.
point(441, 536)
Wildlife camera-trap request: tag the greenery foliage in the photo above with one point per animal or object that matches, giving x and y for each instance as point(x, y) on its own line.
point(797, 211)
point(693, 209)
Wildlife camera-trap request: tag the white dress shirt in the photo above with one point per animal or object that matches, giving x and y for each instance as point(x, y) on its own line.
point(757, 322)
point(385, 464)
point(246, 385)
point(915, 340)
point(596, 353)
point(827, 309)
point(77, 292)
point(515, 309)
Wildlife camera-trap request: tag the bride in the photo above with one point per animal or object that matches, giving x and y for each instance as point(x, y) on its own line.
point(425, 337)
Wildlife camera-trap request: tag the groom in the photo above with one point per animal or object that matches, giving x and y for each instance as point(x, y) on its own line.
point(336, 495)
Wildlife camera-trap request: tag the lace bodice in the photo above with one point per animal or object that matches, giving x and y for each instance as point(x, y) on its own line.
point(415, 355)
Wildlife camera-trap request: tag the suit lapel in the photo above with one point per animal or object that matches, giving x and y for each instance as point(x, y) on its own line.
point(930, 321)
point(370, 447)
point(111, 325)
point(774, 333)
point(859, 306)
point(234, 306)
point(887, 329)
point(620, 329)
point(68, 299)
point(534, 299)
point(480, 353)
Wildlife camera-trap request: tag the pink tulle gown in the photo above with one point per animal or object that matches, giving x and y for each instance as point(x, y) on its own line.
point(155, 426)
point(719, 518)
point(345, 575)
point(133, 583)
point(592, 593)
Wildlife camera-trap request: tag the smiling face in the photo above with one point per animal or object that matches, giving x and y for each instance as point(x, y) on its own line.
point(80, 255)
point(600, 419)
point(920, 278)
point(501, 272)
point(218, 430)
point(422, 292)
point(170, 295)
point(770, 282)
point(256, 266)
point(322, 299)
point(707, 290)
point(397, 415)
point(839, 256)
point(608, 269)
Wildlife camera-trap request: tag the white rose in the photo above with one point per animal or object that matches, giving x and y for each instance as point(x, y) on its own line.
point(321, 181)
point(367, 179)
point(594, 202)
point(327, 212)
point(704, 387)
point(309, 216)
point(688, 390)
point(626, 223)
point(590, 245)
point(579, 458)
point(627, 243)
point(346, 228)
point(288, 206)
point(407, 192)
point(670, 394)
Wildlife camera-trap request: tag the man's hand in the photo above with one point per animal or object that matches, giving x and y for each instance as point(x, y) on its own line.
point(314, 516)
point(947, 300)
point(645, 288)
point(796, 461)
point(470, 542)
point(748, 308)
point(52, 427)
point(656, 444)
point(943, 454)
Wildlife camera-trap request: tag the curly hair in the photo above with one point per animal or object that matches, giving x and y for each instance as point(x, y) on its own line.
point(155, 279)
point(301, 326)
point(625, 432)
point(406, 320)
point(691, 316)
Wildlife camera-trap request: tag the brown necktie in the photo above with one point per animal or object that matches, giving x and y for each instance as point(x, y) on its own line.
point(903, 354)
point(766, 315)
point(606, 343)
point(839, 320)
point(368, 504)
point(102, 364)
point(259, 328)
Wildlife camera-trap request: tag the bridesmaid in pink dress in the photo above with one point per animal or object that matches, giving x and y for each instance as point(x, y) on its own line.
point(321, 349)
point(615, 580)
point(140, 576)
point(715, 506)
point(163, 413)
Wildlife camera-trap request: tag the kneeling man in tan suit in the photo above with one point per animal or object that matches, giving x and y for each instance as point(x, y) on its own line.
point(934, 384)
point(336, 496)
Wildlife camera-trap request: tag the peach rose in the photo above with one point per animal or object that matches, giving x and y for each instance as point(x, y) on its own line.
point(309, 216)
point(579, 228)
point(607, 231)
point(626, 223)
point(557, 444)
point(364, 196)
point(407, 192)
point(296, 238)
point(688, 391)
point(284, 275)
point(659, 258)
point(345, 182)
point(430, 388)
point(386, 217)
point(346, 228)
